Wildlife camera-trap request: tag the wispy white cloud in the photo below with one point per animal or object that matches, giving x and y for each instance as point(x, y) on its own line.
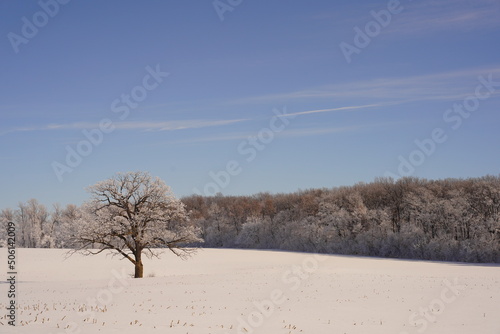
point(289, 133)
point(176, 125)
point(333, 109)
point(436, 86)
point(426, 16)
point(446, 15)
point(77, 125)
point(377, 92)
point(145, 126)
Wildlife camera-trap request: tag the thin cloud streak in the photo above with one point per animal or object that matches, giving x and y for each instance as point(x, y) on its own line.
point(146, 126)
point(332, 109)
point(437, 86)
point(290, 133)
point(173, 125)
point(176, 125)
point(384, 92)
point(446, 15)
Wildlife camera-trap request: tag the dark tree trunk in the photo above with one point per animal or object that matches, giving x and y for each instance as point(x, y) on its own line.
point(139, 267)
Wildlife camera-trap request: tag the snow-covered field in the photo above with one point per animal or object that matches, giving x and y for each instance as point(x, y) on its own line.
point(244, 291)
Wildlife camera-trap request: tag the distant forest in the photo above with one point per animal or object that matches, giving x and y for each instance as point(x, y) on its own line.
point(411, 218)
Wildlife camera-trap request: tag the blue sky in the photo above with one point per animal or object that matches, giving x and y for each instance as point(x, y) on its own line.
point(227, 78)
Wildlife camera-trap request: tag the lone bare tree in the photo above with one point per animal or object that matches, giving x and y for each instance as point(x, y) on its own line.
point(132, 213)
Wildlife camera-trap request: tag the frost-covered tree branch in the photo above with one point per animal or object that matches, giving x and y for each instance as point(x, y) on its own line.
point(134, 214)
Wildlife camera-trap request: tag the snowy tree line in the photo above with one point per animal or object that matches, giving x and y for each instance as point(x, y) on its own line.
point(452, 220)
point(37, 227)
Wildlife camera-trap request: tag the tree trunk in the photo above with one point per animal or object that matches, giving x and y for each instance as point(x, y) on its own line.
point(139, 268)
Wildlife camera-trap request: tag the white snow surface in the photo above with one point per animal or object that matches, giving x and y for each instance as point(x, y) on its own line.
point(245, 291)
